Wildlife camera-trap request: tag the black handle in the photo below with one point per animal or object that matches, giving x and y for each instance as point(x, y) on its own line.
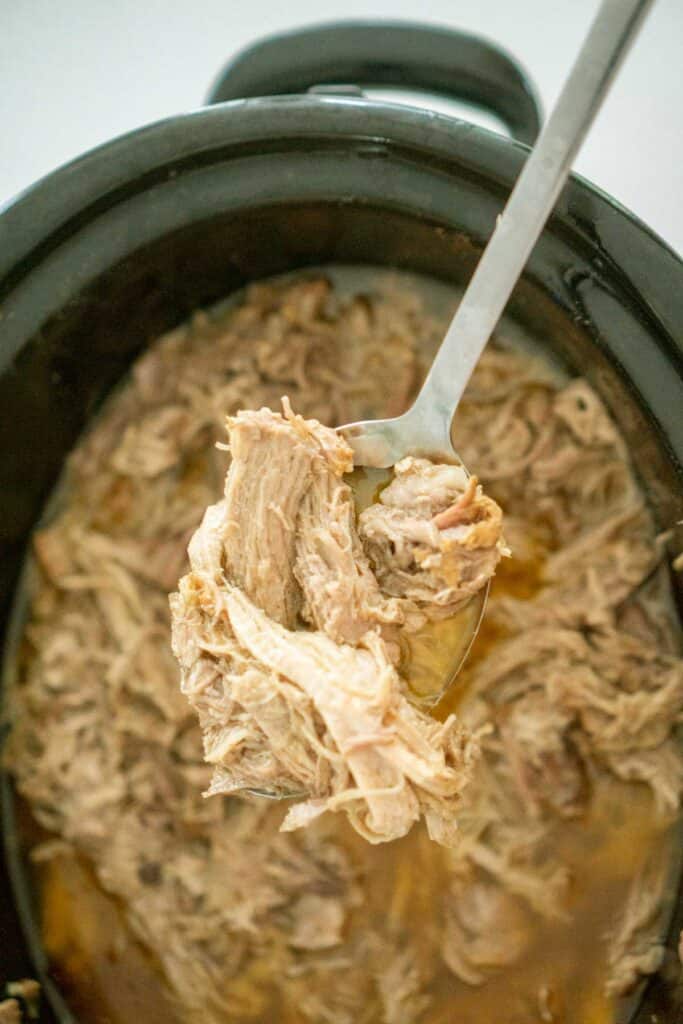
point(414, 56)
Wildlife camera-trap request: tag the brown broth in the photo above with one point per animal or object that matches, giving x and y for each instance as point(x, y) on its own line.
point(433, 654)
point(108, 977)
point(603, 850)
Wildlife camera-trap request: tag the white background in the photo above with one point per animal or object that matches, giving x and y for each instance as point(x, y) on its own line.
point(74, 73)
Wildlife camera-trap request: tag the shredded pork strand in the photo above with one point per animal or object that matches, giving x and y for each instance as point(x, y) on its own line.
point(433, 538)
point(323, 712)
point(579, 688)
point(636, 948)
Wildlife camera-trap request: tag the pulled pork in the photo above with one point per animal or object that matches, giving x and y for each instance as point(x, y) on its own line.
point(289, 710)
point(433, 538)
point(575, 678)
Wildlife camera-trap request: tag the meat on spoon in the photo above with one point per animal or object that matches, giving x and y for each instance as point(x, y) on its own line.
point(290, 627)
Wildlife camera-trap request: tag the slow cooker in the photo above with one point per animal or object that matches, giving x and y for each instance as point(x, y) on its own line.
point(288, 166)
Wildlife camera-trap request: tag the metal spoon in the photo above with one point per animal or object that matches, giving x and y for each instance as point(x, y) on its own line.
point(425, 429)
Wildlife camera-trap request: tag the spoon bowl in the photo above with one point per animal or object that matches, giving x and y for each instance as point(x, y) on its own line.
point(432, 657)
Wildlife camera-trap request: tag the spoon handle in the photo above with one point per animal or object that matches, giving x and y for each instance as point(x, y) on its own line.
point(530, 203)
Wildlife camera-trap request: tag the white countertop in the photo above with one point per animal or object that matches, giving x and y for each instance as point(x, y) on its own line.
point(76, 73)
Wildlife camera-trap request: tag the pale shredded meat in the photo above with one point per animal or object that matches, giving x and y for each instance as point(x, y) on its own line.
point(434, 538)
point(274, 463)
point(291, 710)
point(317, 922)
point(635, 947)
point(341, 595)
point(485, 928)
point(403, 988)
point(575, 676)
point(603, 698)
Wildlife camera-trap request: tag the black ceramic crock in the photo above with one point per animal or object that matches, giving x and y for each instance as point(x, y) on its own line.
point(111, 250)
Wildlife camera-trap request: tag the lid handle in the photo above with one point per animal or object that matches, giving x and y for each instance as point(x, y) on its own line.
point(401, 54)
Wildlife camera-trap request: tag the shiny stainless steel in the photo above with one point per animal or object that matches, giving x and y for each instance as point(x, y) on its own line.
point(426, 428)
